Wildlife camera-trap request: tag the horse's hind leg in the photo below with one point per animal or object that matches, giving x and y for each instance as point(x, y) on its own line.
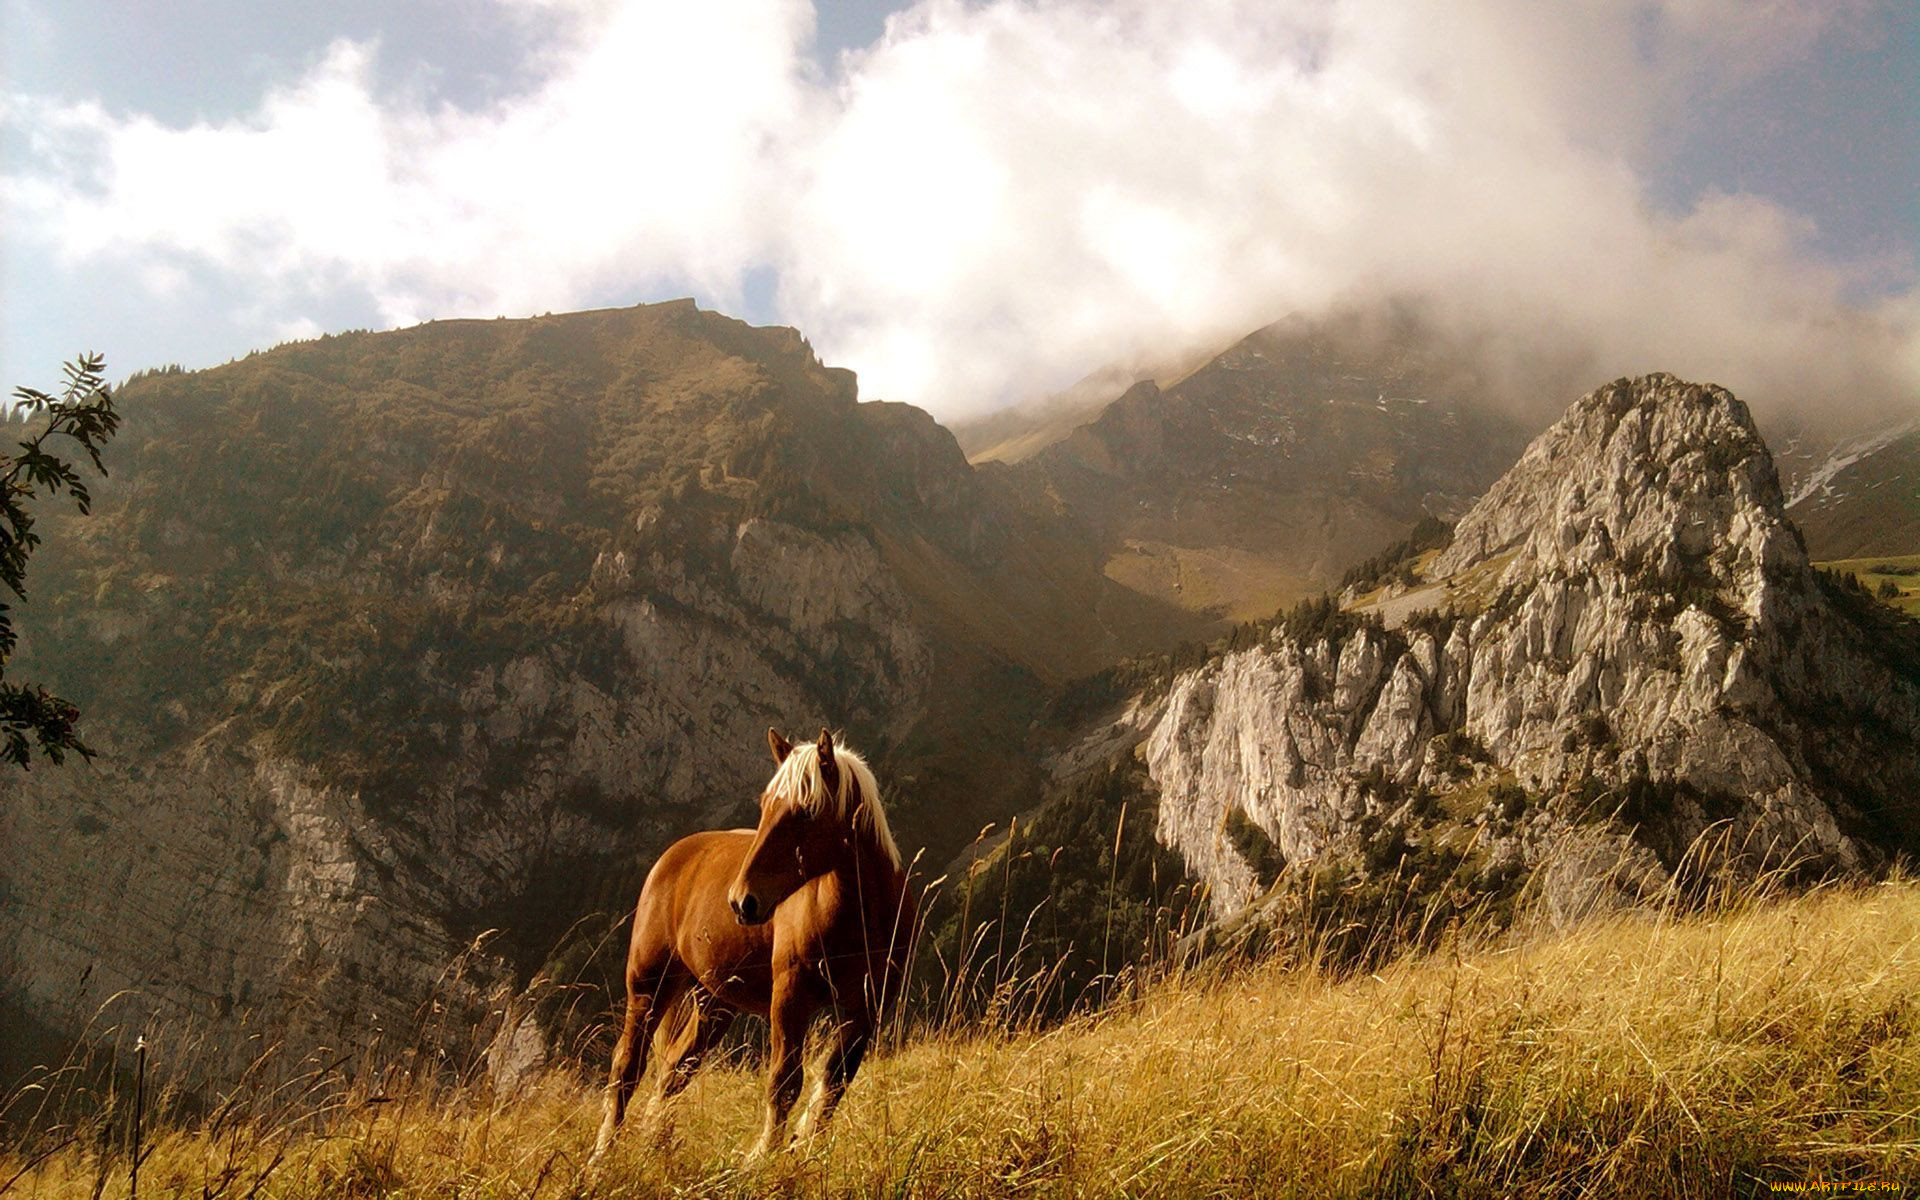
point(650, 991)
point(852, 1034)
point(705, 1024)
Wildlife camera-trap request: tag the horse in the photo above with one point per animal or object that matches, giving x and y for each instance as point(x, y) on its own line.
point(808, 913)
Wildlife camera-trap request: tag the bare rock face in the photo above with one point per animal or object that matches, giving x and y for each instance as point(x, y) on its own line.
point(1624, 648)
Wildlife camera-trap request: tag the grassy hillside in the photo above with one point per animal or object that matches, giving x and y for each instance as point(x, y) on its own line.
point(1892, 578)
point(1870, 506)
point(1777, 1043)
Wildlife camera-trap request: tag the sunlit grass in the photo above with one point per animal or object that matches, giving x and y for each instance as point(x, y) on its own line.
point(1645, 1055)
point(1894, 579)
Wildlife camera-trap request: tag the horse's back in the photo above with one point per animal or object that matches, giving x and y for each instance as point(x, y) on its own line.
point(701, 862)
point(697, 850)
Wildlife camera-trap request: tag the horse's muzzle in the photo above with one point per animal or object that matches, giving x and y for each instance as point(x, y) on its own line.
point(747, 910)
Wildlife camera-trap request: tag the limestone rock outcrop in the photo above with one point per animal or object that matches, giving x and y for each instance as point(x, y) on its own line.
point(1623, 649)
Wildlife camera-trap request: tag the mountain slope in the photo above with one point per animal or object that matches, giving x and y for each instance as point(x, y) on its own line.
point(1863, 498)
point(1272, 468)
point(393, 639)
point(1021, 431)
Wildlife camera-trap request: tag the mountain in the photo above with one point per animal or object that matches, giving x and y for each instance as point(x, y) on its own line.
point(1268, 471)
point(1622, 675)
point(1020, 431)
point(407, 652)
point(1861, 497)
point(415, 647)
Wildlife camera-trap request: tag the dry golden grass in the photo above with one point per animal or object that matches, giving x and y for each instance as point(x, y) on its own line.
point(1218, 581)
point(1775, 1043)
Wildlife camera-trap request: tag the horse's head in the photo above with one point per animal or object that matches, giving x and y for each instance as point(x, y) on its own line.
point(815, 806)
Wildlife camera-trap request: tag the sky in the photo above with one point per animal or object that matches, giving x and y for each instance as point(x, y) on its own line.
point(973, 204)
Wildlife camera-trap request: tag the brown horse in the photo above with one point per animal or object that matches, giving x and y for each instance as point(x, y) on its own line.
point(809, 913)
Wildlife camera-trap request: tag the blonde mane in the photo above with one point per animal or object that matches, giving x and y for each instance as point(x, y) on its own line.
point(798, 782)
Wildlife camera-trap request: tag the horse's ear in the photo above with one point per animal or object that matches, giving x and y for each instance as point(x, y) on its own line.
point(780, 746)
point(829, 770)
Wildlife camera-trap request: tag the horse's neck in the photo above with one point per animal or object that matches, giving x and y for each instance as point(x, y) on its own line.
point(872, 866)
point(868, 882)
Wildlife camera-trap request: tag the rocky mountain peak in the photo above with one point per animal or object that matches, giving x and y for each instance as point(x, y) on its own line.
point(1667, 478)
point(1623, 650)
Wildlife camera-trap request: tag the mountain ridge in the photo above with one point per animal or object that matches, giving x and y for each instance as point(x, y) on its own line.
point(1258, 477)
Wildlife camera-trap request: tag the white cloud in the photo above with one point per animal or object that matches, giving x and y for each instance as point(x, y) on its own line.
point(996, 198)
point(649, 150)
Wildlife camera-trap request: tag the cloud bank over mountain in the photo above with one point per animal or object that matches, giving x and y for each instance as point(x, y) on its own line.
point(994, 198)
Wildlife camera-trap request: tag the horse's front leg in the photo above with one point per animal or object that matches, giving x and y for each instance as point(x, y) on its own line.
point(852, 1034)
point(791, 1010)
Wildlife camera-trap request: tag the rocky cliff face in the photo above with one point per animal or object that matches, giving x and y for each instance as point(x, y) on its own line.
point(1623, 648)
point(399, 644)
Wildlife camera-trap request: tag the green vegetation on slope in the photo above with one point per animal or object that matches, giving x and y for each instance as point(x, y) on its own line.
point(1064, 905)
point(1396, 563)
point(327, 541)
point(1894, 579)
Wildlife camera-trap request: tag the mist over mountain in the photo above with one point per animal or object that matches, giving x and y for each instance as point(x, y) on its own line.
point(1400, 417)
